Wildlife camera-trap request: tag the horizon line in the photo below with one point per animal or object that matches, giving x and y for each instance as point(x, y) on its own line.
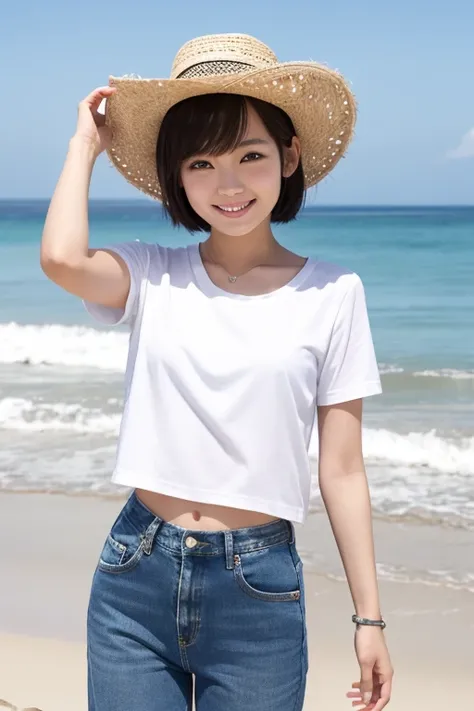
point(306, 207)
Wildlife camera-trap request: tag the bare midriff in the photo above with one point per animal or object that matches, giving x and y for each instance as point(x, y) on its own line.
point(200, 517)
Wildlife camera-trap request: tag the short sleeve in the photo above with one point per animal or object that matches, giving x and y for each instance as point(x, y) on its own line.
point(350, 369)
point(136, 257)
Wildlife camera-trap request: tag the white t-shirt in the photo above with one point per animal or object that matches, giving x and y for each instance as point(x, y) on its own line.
point(221, 389)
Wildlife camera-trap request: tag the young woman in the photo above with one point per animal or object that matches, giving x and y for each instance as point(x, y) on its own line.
point(237, 345)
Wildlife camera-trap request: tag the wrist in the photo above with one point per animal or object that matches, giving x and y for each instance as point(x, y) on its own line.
point(369, 614)
point(83, 145)
point(368, 622)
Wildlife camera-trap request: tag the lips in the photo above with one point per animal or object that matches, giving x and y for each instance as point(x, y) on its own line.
point(235, 209)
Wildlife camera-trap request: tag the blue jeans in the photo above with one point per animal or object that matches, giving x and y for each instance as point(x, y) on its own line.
point(225, 606)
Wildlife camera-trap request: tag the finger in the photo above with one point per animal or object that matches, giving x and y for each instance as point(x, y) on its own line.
point(367, 682)
point(95, 97)
point(366, 690)
point(385, 693)
point(355, 691)
point(357, 699)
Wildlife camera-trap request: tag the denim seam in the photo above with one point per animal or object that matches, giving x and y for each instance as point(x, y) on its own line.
point(184, 658)
point(196, 628)
point(122, 567)
point(119, 547)
point(194, 552)
point(116, 544)
point(299, 700)
point(118, 568)
point(195, 631)
point(290, 596)
point(182, 648)
point(147, 543)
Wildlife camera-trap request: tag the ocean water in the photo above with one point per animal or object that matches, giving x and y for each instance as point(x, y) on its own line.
point(61, 375)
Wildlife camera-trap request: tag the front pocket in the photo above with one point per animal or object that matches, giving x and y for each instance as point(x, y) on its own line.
point(268, 575)
point(123, 547)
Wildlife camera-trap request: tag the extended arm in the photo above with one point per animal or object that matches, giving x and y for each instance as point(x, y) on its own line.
point(345, 492)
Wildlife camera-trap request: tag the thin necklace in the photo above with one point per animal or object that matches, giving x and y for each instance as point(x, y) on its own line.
point(230, 277)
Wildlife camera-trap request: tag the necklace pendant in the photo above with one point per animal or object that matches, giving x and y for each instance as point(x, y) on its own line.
point(232, 278)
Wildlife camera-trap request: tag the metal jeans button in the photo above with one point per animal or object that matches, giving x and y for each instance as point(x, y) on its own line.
point(191, 542)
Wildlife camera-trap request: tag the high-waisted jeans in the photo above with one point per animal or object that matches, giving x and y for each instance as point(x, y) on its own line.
point(225, 606)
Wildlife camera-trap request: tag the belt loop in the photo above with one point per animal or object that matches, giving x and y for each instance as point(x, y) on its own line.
point(229, 550)
point(150, 534)
point(292, 531)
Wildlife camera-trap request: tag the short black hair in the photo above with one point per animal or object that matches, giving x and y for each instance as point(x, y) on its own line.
point(215, 124)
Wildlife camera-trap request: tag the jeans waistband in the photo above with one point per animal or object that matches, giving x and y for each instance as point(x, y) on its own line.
point(204, 543)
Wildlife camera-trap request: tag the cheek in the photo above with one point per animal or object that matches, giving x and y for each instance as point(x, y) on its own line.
point(198, 188)
point(266, 178)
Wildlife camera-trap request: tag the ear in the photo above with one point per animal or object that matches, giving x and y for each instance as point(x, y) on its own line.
point(291, 157)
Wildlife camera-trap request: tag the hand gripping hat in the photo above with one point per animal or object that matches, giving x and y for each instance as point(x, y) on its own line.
point(316, 98)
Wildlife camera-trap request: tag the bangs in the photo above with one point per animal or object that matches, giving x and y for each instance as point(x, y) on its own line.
point(211, 124)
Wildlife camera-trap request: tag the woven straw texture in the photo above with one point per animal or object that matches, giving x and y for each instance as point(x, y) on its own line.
point(317, 99)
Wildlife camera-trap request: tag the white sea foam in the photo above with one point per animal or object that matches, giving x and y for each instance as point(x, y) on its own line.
point(387, 369)
point(452, 373)
point(416, 449)
point(446, 373)
point(63, 345)
point(421, 449)
point(21, 414)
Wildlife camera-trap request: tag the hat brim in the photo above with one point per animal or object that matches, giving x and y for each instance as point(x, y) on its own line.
point(317, 99)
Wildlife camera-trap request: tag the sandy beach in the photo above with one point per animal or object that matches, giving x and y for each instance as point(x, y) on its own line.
point(49, 551)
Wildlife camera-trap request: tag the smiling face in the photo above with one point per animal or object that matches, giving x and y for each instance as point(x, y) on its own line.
point(219, 152)
point(235, 192)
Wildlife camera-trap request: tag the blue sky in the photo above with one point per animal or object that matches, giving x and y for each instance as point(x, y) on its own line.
point(411, 65)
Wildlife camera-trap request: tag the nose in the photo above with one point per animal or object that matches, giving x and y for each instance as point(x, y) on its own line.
point(229, 185)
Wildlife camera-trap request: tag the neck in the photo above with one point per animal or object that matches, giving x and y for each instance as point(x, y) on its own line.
point(241, 252)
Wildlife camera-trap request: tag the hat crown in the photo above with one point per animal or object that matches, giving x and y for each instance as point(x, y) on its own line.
point(214, 55)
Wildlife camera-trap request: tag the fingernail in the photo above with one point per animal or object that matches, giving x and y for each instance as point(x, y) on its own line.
point(367, 695)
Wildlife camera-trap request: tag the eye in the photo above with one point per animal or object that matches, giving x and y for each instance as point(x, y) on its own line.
point(198, 164)
point(202, 164)
point(252, 156)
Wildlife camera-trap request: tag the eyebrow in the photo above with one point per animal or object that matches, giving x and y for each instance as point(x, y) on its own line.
point(252, 142)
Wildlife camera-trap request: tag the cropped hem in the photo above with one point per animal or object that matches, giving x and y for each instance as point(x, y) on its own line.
point(204, 496)
point(337, 396)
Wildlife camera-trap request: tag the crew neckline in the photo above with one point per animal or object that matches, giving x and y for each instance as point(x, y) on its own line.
point(208, 287)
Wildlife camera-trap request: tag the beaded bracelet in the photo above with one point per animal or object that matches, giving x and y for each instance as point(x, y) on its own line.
point(364, 621)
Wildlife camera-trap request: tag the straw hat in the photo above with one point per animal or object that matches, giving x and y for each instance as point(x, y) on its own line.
point(317, 99)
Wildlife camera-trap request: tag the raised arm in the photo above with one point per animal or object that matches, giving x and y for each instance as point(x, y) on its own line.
point(99, 276)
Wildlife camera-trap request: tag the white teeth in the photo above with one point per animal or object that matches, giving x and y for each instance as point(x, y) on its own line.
point(235, 209)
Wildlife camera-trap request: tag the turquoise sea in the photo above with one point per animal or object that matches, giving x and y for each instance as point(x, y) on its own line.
point(60, 376)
